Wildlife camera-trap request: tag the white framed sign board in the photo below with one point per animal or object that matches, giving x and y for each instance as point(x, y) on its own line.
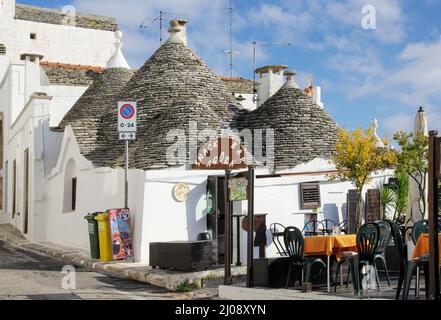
point(127, 120)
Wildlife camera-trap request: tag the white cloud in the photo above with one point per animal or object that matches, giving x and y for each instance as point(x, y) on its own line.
point(398, 122)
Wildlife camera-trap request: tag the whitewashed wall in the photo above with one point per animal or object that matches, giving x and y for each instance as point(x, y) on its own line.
point(97, 191)
point(64, 97)
point(57, 43)
point(26, 132)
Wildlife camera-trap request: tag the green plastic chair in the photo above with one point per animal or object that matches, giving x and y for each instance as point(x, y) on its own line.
point(368, 237)
point(294, 245)
point(385, 237)
point(420, 227)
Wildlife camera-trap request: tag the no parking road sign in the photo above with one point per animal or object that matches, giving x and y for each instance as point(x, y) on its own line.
point(127, 120)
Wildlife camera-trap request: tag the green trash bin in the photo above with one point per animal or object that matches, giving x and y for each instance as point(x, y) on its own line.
point(93, 235)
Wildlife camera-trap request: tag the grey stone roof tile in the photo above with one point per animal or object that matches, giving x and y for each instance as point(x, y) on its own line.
point(303, 130)
point(85, 115)
point(173, 87)
point(53, 16)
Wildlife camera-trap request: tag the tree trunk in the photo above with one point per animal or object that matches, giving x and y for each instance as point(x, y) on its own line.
point(358, 211)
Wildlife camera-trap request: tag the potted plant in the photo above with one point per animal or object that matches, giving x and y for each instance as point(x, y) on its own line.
point(397, 199)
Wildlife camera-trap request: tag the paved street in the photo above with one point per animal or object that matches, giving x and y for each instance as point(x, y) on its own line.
point(25, 275)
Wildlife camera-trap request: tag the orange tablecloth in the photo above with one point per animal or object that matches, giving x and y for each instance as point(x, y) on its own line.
point(422, 246)
point(330, 245)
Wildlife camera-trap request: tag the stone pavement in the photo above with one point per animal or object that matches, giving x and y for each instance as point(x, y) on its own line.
point(141, 272)
point(238, 292)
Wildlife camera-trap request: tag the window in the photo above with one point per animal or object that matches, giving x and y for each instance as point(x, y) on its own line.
point(2, 49)
point(70, 187)
point(309, 195)
point(74, 193)
point(33, 36)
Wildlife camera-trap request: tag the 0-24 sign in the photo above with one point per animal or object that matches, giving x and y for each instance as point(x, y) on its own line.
point(127, 116)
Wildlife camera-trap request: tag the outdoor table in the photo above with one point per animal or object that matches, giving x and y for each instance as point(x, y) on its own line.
point(329, 246)
point(422, 246)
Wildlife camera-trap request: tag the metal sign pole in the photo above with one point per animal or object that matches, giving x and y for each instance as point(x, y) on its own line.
point(127, 127)
point(228, 233)
point(126, 178)
point(250, 235)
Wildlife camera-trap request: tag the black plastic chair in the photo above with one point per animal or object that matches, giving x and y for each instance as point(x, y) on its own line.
point(418, 264)
point(277, 231)
point(328, 225)
point(380, 253)
point(400, 248)
point(312, 228)
point(420, 227)
point(294, 244)
point(368, 237)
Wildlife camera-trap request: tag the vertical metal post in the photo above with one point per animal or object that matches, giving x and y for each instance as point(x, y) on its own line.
point(254, 73)
point(434, 172)
point(228, 233)
point(231, 38)
point(126, 178)
point(161, 19)
point(250, 235)
point(238, 263)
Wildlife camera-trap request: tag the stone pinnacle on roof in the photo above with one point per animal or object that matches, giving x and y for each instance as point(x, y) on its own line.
point(178, 31)
point(290, 79)
point(118, 60)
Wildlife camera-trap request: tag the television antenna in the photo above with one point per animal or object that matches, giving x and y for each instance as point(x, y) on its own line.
point(149, 21)
point(231, 52)
point(263, 43)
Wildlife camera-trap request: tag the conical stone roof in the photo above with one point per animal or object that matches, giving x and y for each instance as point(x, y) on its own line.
point(303, 131)
point(173, 87)
point(86, 113)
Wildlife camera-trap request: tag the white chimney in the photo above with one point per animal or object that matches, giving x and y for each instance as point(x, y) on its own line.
point(178, 31)
point(32, 74)
point(270, 80)
point(317, 96)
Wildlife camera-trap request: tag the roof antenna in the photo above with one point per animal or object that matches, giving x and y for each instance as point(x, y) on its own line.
point(262, 43)
point(231, 52)
point(160, 18)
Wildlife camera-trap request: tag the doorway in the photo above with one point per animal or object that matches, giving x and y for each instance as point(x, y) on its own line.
point(26, 192)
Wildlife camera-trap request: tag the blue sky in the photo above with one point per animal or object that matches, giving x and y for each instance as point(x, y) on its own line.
point(386, 73)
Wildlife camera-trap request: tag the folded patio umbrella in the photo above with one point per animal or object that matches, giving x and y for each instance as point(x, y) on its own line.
point(413, 212)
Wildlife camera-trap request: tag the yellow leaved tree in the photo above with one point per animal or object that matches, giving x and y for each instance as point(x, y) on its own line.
point(357, 157)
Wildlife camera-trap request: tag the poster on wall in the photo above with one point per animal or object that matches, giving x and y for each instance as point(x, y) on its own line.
point(238, 189)
point(122, 242)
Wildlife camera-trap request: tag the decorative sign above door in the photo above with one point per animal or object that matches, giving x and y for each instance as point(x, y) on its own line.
point(221, 154)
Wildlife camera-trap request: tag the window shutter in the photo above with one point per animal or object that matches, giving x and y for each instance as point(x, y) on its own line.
point(2, 49)
point(309, 195)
